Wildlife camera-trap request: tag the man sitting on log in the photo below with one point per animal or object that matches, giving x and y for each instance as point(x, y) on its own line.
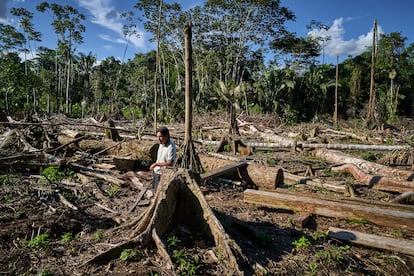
point(166, 155)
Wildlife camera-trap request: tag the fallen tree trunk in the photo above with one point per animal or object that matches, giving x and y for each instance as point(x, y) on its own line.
point(178, 202)
point(223, 170)
point(374, 181)
point(284, 142)
point(354, 147)
point(264, 177)
point(373, 241)
point(337, 157)
point(269, 178)
point(391, 215)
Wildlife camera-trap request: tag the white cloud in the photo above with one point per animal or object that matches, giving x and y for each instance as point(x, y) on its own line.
point(336, 45)
point(103, 13)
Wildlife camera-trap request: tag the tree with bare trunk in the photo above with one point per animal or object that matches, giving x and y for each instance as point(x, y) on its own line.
point(189, 158)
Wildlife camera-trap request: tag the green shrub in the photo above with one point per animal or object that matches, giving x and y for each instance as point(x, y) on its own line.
point(129, 254)
point(41, 241)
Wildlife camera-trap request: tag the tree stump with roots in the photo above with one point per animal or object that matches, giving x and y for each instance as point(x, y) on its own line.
point(178, 203)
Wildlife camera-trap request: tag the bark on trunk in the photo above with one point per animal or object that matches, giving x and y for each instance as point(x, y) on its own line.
point(390, 215)
point(376, 182)
point(336, 157)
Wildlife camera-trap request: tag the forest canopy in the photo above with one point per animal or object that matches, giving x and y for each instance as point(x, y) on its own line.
point(236, 44)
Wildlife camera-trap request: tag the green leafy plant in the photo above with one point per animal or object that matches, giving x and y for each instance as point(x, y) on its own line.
point(45, 272)
point(66, 237)
point(357, 221)
point(55, 174)
point(129, 254)
point(186, 263)
point(271, 161)
point(173, 241)
point(113, 190)
point(334, 253)
point(97, 236)
point(227, 147)
point(388, 141)
point(369, 156)
point(398, 232)
point(41, 241)
point(313, 268)
point(302, 242)
point(320, 234)
point(8, 179)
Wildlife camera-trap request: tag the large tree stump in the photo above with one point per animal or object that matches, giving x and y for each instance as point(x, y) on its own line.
point(178, 202)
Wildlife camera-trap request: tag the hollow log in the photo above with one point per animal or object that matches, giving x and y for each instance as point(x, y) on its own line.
point(375, 181)
point(391, 215)
point(337, 157)
point(178, 201)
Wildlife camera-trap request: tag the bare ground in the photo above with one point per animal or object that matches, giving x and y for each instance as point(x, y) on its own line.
point(39, 235)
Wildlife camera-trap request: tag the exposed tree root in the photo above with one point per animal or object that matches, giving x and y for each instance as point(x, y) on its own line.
point(190, 159)
point(178, 202)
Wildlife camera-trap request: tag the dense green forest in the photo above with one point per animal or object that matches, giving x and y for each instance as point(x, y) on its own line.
point(232, 43)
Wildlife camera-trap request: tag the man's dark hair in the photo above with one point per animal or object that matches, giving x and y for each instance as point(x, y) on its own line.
point(164, 131)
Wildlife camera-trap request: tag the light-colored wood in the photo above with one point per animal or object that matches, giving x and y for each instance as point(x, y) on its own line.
point(355, 147)
point(253, 174)
point(373, 241)
point(337, 157)
point(374, 181)
point(392, 215)
point(223, 170)
point(262, 176)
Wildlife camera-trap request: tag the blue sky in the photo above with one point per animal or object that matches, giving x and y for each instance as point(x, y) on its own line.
point(350, 24)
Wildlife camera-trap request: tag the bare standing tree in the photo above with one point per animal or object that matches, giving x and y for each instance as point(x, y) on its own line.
point(371, 102)
point(190, 158)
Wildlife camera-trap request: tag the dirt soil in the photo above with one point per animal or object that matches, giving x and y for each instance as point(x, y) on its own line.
point(40, 234)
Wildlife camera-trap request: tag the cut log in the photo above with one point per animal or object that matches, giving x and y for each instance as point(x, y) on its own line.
point(391, 215)
point(373, 241)
point(253, 174)
point(223, 170)
point(374, 181)
point(98, 174)
point(178, 201)
point(337, 157)
point(264, 177)
point(354, 147)
point(284, 142)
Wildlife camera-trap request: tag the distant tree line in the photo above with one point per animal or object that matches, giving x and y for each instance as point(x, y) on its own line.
point(232, 43)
